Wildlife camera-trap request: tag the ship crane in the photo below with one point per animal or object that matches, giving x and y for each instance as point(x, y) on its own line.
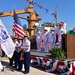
point(31, 19)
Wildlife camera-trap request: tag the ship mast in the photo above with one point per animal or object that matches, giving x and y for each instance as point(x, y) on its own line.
point(56, 12)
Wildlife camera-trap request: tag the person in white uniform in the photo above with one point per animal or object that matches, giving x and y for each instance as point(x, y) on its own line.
point(38, 40)
point(52, 38)
point(61, 31)
point(45, 40)
point(56, 30)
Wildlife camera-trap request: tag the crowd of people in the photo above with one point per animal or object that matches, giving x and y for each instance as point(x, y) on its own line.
point(47, 40)
point(21, 54)
point(44, 41)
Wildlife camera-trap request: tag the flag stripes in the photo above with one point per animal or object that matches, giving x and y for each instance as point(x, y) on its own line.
point(18, 30)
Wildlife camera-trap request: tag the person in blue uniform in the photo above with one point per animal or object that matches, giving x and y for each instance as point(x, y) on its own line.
point(19, 52)
point(16, 53)
point(26, 50)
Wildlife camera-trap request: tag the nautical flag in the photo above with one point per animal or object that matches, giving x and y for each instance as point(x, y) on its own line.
point(27, 0)
point(30, 0)
point(18, 30)
point(6, 42)
point(54, 14)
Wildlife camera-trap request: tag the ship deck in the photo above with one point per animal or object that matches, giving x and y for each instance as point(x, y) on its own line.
point(39, 54)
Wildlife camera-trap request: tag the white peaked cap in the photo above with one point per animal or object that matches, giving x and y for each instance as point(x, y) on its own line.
point(45, 29)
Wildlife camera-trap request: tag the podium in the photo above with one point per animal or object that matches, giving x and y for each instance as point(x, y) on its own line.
point(68, 43)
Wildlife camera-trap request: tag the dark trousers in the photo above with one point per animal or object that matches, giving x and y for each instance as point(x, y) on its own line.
point(11, 61)
point(3, 53)
point(17, 61)
point(27, 61)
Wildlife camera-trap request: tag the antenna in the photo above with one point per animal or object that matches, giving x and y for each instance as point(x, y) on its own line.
point(14, 7)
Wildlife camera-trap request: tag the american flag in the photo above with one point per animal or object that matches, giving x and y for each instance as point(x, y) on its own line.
point(17, 28)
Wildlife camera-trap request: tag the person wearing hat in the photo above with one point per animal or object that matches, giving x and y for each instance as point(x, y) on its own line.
point(38, 40)
point(61, 31)
point(26, 50)
point(52, 38)
point(19, 53)
point(45, 36)
point(16, 53)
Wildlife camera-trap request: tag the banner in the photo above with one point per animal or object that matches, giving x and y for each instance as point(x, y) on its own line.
point(6, 42)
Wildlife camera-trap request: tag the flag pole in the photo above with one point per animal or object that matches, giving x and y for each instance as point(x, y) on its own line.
point(13, 29)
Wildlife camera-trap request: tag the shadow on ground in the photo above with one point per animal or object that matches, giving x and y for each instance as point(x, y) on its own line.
point(42, 69)
point(6, 65)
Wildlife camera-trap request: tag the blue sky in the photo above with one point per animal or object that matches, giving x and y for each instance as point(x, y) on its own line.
point(66, 11)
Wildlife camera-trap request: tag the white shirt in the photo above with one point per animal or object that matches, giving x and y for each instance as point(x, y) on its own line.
point(45, 38)
point(25, 44)
point(61, 31)
point(16, 43)
point(38, 38)
point(52, 37)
